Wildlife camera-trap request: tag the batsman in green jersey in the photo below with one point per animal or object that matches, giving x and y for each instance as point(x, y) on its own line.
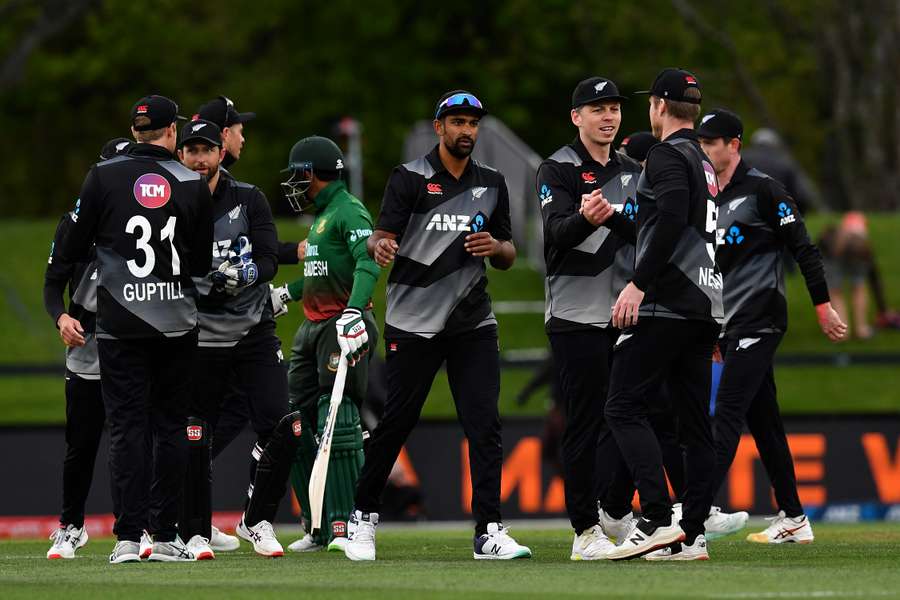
point(336, 290)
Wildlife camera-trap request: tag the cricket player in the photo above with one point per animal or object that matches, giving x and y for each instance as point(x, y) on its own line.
point(222, 112)
point(336, 291)
point(239, 356)
point(442, 215)
point(150, 221)
point(84, 403)
point(757, 223)
point(583, 186)
point(670, 314)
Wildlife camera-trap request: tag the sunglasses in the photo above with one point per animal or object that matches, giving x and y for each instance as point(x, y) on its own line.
point(461, 99)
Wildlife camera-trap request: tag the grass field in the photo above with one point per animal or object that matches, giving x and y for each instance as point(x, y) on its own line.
point(28, 337)
point(846, 561)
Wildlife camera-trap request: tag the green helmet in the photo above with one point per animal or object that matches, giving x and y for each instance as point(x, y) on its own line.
point(313, 153)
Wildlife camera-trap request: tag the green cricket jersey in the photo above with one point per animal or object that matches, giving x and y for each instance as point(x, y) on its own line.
point(337, 270)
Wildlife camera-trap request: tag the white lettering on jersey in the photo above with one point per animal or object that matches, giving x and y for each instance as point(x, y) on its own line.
point(150, 291)
point(709, 278)
point(441, 222)
point(315, 268)
point(312, 249)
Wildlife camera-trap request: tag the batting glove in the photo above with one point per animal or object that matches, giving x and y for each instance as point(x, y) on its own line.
point(352, 335)
point(280, 299)
point(239, 271)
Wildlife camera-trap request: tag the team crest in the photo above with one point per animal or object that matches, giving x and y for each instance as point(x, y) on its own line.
point(234, 213)
point(333, 361)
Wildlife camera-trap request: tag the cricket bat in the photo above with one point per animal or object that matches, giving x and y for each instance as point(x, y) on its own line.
point(320, 466)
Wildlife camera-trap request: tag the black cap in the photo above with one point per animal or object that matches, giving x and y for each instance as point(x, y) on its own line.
point(638, 144)
point(671, 84)
point(595, 89)
point(114, 146)
point(456, 101)
point(222, 112)
point(200, 130)
point(720, 123)
point(153, 112)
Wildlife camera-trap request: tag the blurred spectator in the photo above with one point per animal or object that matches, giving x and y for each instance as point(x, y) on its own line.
point(555, 423)
point(768, 153)
point(850, 259)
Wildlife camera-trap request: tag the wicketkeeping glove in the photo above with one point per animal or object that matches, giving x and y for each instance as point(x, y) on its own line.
point(352, 335)
point(239, 271)
point(280, 299)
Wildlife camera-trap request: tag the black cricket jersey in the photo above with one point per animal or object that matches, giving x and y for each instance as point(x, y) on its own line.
point(238, 209)
point(81, 280)
point(676, 223)
point(151, 221)
point(587, 266)
point(435, 286)
point(757, 222)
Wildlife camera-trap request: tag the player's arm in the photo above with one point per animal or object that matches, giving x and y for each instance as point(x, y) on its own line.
point(201, 232)
point(495, 242)
point(565, 225)
point(56, 277)
point(396, 208)
point(669, 181)
point(291, 253)
point(76, 244)
point(356, 227)
point(780, 211)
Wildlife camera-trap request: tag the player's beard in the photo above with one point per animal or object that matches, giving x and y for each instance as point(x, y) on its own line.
point(460, 152)
point(211, 172)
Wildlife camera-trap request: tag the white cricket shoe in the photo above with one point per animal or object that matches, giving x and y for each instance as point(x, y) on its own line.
point(784, 530)
point(262, 536)
point(199, 547)
point(361, 536)
point(66, 540)
point(305, 544)
point(125, 552)
point(222, 542)
point(146, 545)
point(497, 544)
point(174, 551)
point(592, 544)
point(719, 524)
point(646, 538)
point(682, 551)
point(616, 529)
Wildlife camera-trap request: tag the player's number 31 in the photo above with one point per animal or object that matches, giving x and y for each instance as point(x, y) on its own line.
point(140, 222)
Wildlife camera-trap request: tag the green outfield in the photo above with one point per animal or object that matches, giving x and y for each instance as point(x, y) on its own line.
point(29, 337)
point(846, 561)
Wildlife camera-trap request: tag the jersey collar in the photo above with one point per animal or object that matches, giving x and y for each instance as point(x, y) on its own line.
point(434, 159)
point(327, 193)
point(740, 172)
point(585, 156)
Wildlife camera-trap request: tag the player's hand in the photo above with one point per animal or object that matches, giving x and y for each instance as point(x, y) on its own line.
point(717, 354)
point(239, 271)
point(280, 298)
point(352, 335)
point(625, 310)
point(301, 251)
point(595, 208)
point(482, 244)
point(70, 330)
point(385, 251)
point(830, 322)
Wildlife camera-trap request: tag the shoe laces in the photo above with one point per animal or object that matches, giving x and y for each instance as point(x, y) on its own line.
point(775, 522)
point(265, 531)
point(58, 536)
point(365, 531)
point(198, 540)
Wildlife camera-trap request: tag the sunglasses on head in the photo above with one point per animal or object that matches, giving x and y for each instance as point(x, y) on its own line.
point(461, 99)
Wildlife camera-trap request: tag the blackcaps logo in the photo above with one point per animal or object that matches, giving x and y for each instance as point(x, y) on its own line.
point(599, 87)
point(478, 222)
point(197, 127)
point(786, 214)
point(546, 195)
point(630, 209)
point(152, 190)
point(734, 235)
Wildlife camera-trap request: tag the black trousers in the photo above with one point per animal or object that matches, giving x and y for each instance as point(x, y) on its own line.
point(146, 388)
point(679, 352)
point(84, 426)
point(582, 360)
point(747, 392)
point(473, 371)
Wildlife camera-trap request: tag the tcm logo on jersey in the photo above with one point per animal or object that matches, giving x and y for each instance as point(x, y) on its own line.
point(786, 214)
point(712, 184)
point(152, 190)
point(440, 222)
point(589, 177)
point(434, 188)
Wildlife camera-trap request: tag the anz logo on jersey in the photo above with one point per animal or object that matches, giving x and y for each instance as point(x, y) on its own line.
point(221, 248)
point(786, 214)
